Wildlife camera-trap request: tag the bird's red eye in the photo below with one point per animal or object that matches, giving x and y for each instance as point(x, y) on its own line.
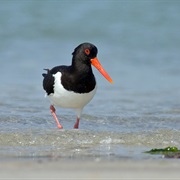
point(87, 51)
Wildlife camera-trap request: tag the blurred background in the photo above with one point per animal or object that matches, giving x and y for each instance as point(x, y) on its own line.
point(138, 43)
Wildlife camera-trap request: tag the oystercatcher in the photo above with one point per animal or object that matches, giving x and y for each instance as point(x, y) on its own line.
point(74, 86)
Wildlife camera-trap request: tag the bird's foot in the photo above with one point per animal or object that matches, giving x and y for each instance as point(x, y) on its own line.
point(76, 125)
point(53, 112)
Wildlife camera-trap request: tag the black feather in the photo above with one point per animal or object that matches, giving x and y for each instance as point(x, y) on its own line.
point(48, 82)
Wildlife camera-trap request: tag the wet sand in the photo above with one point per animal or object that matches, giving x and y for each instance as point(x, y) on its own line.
point(87, 169)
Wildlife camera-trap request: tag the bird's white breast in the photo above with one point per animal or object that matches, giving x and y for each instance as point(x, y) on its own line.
point(69, 99)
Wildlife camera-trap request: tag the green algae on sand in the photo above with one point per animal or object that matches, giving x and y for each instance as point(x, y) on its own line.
point(168, 152)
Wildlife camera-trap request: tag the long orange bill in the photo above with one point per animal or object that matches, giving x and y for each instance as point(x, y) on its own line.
point(95, 62)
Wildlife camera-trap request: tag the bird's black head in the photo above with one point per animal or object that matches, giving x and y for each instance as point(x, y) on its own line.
point(84, 56)
point(85, 52)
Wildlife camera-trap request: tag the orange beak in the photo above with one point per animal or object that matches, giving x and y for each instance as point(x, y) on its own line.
point(95, 62)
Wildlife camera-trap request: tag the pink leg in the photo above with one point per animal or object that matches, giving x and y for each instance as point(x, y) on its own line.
point(53, 112)
point(76, 125)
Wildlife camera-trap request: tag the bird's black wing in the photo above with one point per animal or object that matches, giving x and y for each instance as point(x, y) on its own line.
point(48, 81)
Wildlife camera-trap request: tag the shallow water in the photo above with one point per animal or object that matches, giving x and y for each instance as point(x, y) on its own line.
point(83, 144)
point(138, 45)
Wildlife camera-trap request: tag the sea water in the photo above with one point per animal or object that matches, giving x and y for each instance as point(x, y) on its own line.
point(138, 45)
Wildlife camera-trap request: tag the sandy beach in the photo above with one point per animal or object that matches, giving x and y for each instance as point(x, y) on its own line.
point(70, 169)
point(138, 45)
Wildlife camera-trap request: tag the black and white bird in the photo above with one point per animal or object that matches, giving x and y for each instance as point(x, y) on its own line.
point(74, 86)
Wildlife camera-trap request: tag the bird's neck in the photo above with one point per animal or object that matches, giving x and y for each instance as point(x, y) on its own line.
point(81, 66)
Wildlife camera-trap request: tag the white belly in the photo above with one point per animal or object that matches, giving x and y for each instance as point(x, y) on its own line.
point(69, 99)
